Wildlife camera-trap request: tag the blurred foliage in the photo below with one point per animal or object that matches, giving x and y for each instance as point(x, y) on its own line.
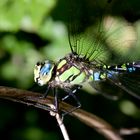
point(35, 30)
point(25, 14)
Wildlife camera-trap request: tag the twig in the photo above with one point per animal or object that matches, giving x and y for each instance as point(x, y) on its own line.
point(34, 99)
point(60, 123)
point(62, 127)
point(130, 131)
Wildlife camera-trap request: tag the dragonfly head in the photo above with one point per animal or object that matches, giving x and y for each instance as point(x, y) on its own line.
point(43, 72)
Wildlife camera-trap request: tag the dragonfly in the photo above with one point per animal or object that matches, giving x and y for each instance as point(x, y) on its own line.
point(86, 65)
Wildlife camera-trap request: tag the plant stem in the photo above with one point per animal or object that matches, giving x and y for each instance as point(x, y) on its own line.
point(36, 100)
point(62, 127)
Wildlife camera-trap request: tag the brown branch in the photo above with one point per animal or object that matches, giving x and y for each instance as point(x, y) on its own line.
point(36, 100)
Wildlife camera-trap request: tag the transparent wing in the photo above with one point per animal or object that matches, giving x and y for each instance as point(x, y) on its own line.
point(107, 88)
point(102, 40)
point(131, 83)
point(112, 88)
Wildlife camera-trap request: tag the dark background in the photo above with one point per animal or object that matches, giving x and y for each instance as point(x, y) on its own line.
point(36, 30)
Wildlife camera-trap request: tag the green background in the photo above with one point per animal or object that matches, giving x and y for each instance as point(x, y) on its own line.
point(35, 30)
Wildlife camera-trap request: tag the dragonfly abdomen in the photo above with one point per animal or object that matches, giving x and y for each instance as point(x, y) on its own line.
point(114, 70)
point(126, 67)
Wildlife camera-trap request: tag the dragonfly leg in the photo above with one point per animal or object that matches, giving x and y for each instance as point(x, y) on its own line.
point(77, 101)
point(55, 93)
point(46, 92)
point(74, 108)
point(56, 104)
point(72, 93)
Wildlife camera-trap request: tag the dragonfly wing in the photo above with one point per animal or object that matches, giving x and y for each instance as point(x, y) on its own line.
point(107, 88)
point(103, 41)
point(131, 83)
point(110, 87)
point(85, 33)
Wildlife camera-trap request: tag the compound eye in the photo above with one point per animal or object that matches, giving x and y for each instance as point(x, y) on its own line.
point(45, 69)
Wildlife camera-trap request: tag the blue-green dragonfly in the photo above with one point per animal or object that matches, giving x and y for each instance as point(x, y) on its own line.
point(85, 64)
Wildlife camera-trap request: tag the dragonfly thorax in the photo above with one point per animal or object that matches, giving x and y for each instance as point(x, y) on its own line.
point(71, 70)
